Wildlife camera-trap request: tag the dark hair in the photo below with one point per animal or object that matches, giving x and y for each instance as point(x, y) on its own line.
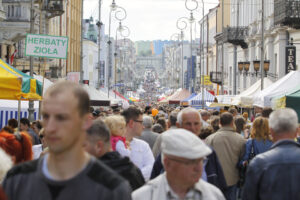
point(232, 110)
point(38, 124)
point(13, 123)
point(226, 119)
point(25, 121)
point(216, 113)
point(100, 129)
point(162, 122)
point(131, 113)
point(215, 122)
point(157, 128)
point(239, 124)
point(8, 129)
point(205, 132)
point(147, 110)
point(79, 93)
point(173, 118)
point(266, 112)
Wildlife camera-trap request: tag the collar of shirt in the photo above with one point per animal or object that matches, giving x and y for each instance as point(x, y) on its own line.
point(192, 194)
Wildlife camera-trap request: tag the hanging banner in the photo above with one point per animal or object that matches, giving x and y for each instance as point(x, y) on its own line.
point(290, 52)
point(46, 46)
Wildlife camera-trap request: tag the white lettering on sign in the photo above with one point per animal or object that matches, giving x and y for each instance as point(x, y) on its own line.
point(46, 46)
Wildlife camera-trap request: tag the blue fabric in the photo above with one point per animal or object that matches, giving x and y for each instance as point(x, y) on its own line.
point(274, 174)
point(260, 146)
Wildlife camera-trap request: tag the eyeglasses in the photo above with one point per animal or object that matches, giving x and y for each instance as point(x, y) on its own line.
point(138, 121)
point(188, 162)
point(41, 136)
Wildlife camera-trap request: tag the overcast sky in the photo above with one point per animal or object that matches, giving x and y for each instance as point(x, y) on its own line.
point(148, 19)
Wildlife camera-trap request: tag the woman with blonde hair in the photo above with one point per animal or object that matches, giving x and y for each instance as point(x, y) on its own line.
point(260, 140)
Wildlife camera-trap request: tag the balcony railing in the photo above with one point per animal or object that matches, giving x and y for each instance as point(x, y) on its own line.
point(236, 35)
point(287, 12)
point(216, 77)
point(54, 8)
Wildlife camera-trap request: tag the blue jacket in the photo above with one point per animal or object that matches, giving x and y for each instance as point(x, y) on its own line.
point(259, 146)
point(275, 174)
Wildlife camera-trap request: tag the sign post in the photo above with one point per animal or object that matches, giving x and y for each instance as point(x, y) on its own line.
point(46, 46)
point(290, 52)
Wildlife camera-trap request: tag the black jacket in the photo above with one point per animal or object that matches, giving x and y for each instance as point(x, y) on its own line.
point(274, 174)
point(213, 171)
point(124, 167)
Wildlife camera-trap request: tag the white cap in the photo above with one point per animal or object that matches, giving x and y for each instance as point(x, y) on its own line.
point(183, 143)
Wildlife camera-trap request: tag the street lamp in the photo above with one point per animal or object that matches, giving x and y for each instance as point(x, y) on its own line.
point(120, 15)
point(181, 25)
point(174, 48)
point(124, 32)
point(190, 5)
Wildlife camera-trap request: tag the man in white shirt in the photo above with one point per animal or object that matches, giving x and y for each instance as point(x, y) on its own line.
point(183, 155)
point(141, 154)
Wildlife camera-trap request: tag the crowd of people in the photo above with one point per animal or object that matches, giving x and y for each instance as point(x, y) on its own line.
point(151, 152)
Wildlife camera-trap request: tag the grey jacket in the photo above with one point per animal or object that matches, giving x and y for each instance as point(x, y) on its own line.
point(156, 190)
point(149, 137)
point(96, 181)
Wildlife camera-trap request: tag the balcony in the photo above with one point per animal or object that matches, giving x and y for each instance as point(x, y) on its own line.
point(216, 77)
point(234, 35)
point(287, 12)
point(54, 8)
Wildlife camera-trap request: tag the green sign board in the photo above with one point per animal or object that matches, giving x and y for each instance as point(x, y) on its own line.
point(46, 46)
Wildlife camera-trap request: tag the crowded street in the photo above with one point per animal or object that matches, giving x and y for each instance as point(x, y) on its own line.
point(149, 100)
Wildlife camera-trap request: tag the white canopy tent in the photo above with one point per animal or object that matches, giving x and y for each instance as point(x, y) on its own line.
point(245, 99)
point(281, 87)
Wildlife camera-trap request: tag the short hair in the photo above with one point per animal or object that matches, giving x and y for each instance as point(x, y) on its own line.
point(187, 110)
point(260, 129)
point(266, 112)
point(157, 128)
point(215, 123)
point(232, 110)
point(131, 113)
point(114, 122)
point(216, 112)
point(205, 132)
point(79, 93)
point(38, 124)
point(283, 121)
point(25, 121)
point(13, 123)
point(226, 119)
point(204, 113)
point(147, 121)
point(99, 130)
point(162, 122)
point(239, 124)
point(173, 118)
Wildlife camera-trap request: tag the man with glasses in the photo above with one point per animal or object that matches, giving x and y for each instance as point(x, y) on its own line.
point(141, 154)
point(182, 155)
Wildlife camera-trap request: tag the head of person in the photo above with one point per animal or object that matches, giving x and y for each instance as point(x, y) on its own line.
point(260, 129)
point(42, 137)
point(283, 124)
point(147, 122)
point(172, 119)
point(205, 115)
point(257, 109)
point(239, 123)
point(205, 132)
point(116, 125)
point(189, 119)
point(162, 122)
point(157, 128)
point(66, 117)
point(182, 156)
point(215, 123)
point(266, 112)
point(36, 126)
point(13, 123)
point(226, 119)
point(97, 141)
point(233, 111)
point(215, 113)
point(24, 124)
point(245, 115)
point(148, 110)
point(134, 120)
point(18, 146)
